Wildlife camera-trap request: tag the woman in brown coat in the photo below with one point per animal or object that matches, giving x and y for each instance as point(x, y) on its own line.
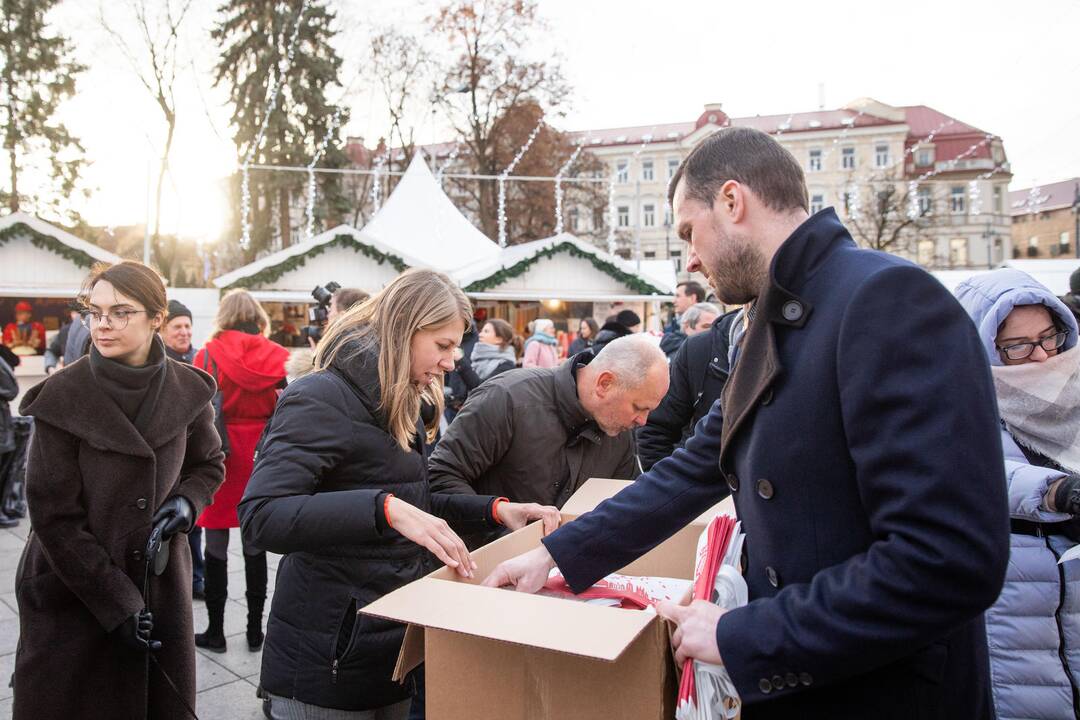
point(124, 438)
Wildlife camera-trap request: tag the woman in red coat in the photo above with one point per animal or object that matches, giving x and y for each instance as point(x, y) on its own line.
point(250, 370)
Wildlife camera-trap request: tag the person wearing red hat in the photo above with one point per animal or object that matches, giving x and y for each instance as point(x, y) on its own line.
point(24, 336)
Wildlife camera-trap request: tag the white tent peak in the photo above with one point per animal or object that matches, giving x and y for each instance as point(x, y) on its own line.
point(419, 220)
point(63, 236)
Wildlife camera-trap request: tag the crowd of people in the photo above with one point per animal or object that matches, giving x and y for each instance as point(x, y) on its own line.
point(905, 464)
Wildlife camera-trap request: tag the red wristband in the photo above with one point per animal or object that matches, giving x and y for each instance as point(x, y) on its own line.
point(386, 509)
point(495, 509)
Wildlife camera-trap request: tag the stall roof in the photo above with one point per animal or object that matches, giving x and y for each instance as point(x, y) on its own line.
point(78, 250)
point(655, 277)
point(419, 220)
point(267, 269)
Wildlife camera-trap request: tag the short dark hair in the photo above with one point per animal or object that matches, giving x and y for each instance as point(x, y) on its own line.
point(692, 287)
point(747, 156)
point(345, 298)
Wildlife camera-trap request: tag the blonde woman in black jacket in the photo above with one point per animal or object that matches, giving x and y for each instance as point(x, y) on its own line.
point(340, 488)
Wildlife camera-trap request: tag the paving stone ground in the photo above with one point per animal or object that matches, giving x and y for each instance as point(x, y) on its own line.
point(225, 682)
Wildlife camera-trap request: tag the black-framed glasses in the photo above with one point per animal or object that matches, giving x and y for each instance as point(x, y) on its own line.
point(1019, 351)
point(118, 319)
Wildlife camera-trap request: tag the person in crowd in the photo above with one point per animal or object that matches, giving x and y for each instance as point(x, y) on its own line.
point(687, 293)
point(695, 319)
point(587, 331)
point(9, 390)
point(537, 435)
point(868, 480)
point(340, 488)
point(176, 334)
point(122, 442)
point(496, 351)
point(1033, 629)
point(1072, 298)
point(541, 350)
point(250, 371)
point(54, 354)
point(459, 381)
point(340, 301)
point(25, 336)
point(697, 375)
point(626, 322)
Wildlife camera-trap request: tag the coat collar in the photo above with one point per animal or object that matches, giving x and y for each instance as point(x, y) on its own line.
point(758, 364)
point(71, 401)
point(572, 414)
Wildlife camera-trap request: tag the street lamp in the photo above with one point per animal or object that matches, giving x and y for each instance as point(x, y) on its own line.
point(1076, 220)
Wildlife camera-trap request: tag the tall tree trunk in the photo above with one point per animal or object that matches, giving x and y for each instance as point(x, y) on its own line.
point(285, 228)
point(13, 201)
point(162, 169)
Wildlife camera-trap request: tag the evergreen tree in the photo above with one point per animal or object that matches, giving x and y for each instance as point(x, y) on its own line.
point(38, 74)
point(254, 36)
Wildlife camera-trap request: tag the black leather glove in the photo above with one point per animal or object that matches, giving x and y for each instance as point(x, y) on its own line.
point(1067, 496)
point(178, 512)
point(135, 632)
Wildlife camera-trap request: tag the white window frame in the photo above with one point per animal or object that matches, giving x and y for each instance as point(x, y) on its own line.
point(813, 160)
point(999, 198)
point(622, 216)
point(672, 167)
point(925, 199)
point(817, 202)
point(573, 218)
point(622, 171)
point(924, 157)
point(647, 174)
point(881, 159)
point(847, 157)
point(648, 215)
point(958, 200)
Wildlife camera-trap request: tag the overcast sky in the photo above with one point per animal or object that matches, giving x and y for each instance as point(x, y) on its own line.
point(1008, 68)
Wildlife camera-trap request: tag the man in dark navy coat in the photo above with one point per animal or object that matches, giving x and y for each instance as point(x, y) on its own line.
point(858, 434)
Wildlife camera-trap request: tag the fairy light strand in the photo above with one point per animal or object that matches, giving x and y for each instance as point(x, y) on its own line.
point(310, 227)
point(558, 185)
point(505, 173)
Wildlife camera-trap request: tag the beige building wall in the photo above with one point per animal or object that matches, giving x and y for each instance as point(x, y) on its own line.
point(1044, 234)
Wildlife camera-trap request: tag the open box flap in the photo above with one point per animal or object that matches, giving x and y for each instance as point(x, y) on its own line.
point(596, 490)
point(543, 622)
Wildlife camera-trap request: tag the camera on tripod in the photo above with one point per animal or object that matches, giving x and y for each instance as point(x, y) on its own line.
point(317, 316)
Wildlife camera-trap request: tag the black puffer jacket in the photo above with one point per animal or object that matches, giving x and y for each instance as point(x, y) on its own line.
point(698, 373)
point(316, 495)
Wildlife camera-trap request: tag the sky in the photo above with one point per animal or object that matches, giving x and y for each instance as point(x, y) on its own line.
point(1008, 68)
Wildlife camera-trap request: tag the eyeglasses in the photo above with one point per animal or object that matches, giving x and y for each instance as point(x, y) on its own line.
point(1019, 351)
point(118, 319)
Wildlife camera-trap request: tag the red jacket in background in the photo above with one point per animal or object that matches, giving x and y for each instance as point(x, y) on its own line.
point(249, 370)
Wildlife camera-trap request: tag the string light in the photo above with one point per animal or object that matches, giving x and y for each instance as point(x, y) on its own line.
point(558, 185)
point(645, 140)
point(913, 209)
point(376, 181)
point(843, 134)
point(974, 197)
point(503, 176)
point(310, 229)
point(449, 161)
point(275, 90)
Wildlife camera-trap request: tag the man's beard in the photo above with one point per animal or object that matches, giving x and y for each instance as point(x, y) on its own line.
point(740, 271)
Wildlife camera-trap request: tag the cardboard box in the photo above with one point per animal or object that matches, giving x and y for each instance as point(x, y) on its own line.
point(504, 655)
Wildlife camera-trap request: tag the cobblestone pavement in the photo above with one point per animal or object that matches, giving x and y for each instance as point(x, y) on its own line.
point(226, 682)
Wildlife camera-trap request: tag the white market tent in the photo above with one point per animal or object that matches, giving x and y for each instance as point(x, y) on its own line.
point(41, 260)
point(566, 268)
point(1054, 274)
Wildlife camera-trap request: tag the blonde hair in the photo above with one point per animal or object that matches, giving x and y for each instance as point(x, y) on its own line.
point(239, 307)
point(415, 300)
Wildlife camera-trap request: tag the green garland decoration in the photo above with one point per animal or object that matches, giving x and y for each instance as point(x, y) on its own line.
point(632, 281)
point(269, 275)
point(47, 242)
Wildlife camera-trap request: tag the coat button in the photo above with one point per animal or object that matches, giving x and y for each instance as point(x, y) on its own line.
point(733, 482)
point(766, 399)
point(792, 311)
point(791, 680)
point(141, 503)
point(765, 489)
point(774, 578)
point(764, 686)
point(137, 554)
point(805, 679)
point(778, 682)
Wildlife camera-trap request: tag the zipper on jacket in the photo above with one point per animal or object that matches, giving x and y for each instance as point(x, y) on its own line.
point(1062, 653)
point(333, 672)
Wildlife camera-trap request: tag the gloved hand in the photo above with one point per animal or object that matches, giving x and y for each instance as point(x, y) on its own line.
point(180, 515)
point(135, 632)
point(1067, 495)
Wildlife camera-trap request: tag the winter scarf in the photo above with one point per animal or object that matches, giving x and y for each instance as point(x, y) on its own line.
point(485, 358)
point(544, 338)
point(135, 390)
point(1040, 405)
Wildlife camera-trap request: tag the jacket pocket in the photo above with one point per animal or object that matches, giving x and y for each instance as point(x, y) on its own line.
point(345, 638)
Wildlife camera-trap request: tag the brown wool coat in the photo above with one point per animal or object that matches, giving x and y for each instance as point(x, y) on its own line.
point(93, 483)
